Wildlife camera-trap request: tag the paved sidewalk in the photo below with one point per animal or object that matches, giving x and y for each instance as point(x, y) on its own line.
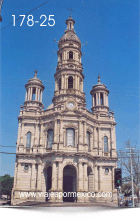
point(68, 204)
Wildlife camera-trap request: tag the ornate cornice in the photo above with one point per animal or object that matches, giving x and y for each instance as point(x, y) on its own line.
point(68, 154)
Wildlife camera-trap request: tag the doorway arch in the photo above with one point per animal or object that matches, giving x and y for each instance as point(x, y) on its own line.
point(69, 184)
point(48, 180)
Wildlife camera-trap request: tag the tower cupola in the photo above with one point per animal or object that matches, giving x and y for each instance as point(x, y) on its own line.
point(33, 97)
point(69, 71)
point(70, 23)
point(99, 94)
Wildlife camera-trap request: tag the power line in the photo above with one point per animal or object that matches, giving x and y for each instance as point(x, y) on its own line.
point(6, 146)
point(7, 153)
point(26, 14)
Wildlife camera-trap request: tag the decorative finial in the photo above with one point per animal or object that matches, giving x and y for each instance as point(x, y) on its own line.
point(35, 75)
point(99, 81)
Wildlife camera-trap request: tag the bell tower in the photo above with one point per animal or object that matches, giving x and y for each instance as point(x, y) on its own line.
point(33, 97)
point(99, 94)
point(69, 72)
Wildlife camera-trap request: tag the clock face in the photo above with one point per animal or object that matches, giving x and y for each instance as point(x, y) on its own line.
point(70, 105)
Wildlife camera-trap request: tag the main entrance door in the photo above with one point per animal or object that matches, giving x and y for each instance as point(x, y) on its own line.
point(48, 180)
point(69, 183)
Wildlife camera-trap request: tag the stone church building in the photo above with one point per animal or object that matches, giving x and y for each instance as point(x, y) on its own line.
point(65, 148)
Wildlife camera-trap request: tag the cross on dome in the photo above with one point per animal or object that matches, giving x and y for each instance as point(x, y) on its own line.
point(35, 75)
point(99, 81)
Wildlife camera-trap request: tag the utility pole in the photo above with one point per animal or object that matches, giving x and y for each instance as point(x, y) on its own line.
point(1, 2)
point(132, 184)
point(138, 179)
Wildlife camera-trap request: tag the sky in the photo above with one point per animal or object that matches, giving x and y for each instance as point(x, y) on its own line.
point(111, 28)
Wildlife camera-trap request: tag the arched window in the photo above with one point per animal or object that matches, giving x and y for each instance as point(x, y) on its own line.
point(88, 139)
point(70, 137)
point(70, 55)
point(28, 140)
point(105, 144)
point(33, 94)
point(101, 97)
point(49, 138)
point(61, 57)
point(70, 82)
point(59, 83)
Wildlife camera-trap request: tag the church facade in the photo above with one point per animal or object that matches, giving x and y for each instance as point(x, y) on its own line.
point(65, 148)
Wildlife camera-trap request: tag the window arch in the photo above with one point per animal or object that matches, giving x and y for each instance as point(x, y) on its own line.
point(105, 144)
point(61, 57)
point(101, 97)
point(70, 137)
point(88, 139)
point(33, 93)
point(70, 82)
point(49, 138)
point(28, 140)
point(59, 83)
point(70, 55)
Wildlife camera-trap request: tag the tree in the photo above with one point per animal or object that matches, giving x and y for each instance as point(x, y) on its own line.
point(125, 164)
point(6, 184)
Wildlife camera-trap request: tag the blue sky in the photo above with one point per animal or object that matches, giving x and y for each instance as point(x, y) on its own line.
point(111, 28)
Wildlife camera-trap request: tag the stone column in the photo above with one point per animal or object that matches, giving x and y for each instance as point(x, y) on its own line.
point(36, 94)
point(66, 82)
point(96, 99)
point(33, 177)
point(39, 177)
point(80, 177)
point(75, 81)
point(96, 178)
point(62, 82)
point(112, 178)
point(35, 135)
point(103, 98)
point(15, 176)
point(78, 82)
point(85, 177)
point(29, 93)
point(93, 100)
point(91, 142)
point(18, 176)
point(41, 96)
point(41, 130)
point(95, 149)
point(21, 138)
point(65, 140)
point(107, 99)
point(85, 134)
point(99, 178)
point(46, 134)
point(61, 131)
point(81, 86)
point(80, 136)
point(55, 130)
point(54, 176)
point(99, 99)
point(26, 96)
point(60, 176)
point(99, 141)
point(55, 85)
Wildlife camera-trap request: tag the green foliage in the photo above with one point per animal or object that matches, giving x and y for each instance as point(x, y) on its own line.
point(6, 184)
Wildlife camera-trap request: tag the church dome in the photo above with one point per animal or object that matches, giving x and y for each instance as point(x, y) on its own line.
point(69, 36)
point(35, 82)
point(69, 33)
point(99, 86)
